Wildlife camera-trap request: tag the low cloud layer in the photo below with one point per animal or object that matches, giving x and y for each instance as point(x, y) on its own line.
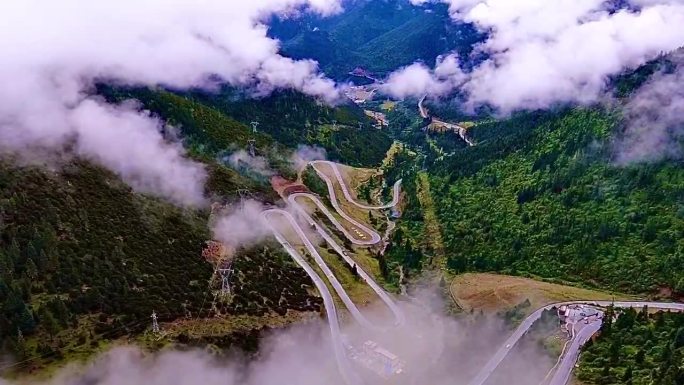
point(54, 52)
point(654, 119)
point(417, 79)
point(545, 52)
point(241, 225)
point(435, 349)
point(241, 159)
point(306, 154)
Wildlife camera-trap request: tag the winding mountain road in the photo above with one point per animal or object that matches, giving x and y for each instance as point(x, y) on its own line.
point(396, 190)
point(350, 377)
point(398, 314)
point(568, 362)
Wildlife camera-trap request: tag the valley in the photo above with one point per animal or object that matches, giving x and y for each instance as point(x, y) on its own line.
point(342, 192)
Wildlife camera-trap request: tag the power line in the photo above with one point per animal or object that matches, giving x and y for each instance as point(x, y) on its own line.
point(95, 337)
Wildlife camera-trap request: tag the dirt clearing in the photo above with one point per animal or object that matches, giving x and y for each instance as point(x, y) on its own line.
point(492, 292)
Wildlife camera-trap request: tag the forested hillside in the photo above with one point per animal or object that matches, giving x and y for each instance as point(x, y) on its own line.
point(220, 122)
point(292, 118)
point(379, 36)
point(639, 348)
point(84, 260)
point(82, 257)
point(539, 195)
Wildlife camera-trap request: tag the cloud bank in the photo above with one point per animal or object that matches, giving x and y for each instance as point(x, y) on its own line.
point(241, 225)
point(241, 159)
point(546, 52)
point(306, 154)
point(654, 119)
point(54, 52)
point(435, 349)
point(417, 79)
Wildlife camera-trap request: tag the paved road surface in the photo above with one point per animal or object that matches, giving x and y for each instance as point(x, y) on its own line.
point(421, 108)
point(337, 286)
point(398, 314)
point(331, 189)
point(462, 131)
point(374, 236)
point(506, 347)
point(567, 364)
point(348, 374)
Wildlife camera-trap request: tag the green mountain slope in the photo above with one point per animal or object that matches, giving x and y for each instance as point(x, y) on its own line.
point(638, 348)
point(85, 260)
point(422, 38)
point(291, 118)
point(377, 35)
point(539, 196)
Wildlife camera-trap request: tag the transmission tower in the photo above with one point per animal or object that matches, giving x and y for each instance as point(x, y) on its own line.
point(252, 147)
point(254, 124)
point(334, 122)
point(155, 324)
point(242, 192)
point(360, 126)
point(225, 280)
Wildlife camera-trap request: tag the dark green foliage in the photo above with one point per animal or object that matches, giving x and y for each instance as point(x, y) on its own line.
point(314, 182)
point(406, 248)
point(422, 38)
point(245, 341)
point(212, 124)
point(267, 280)
point(640, 349)
point(379, 36)
point(111, 251)
point(206, 129)
point(517, 313)
point(630, 80)
point(79, 242)
point(292, 118)
point(225, 182)
point(538, 195)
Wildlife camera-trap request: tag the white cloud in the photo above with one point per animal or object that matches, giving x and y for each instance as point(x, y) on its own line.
point(242, 159)
point(544, 52)
point(418, 80)
point(306, 154)
point(53, 52)
point(241, 225)
point(654, 119)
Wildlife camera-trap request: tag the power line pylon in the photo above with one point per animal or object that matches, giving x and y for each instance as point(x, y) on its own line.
point(225, 281)
point(334, 122)
point(254, 124)
point(155, 323)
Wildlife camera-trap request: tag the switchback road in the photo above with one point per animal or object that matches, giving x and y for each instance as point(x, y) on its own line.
point(349, 375)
